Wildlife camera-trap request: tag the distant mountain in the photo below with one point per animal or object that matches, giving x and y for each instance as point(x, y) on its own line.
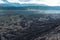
point(17, 6)
point(30, 8)
point(9, 5)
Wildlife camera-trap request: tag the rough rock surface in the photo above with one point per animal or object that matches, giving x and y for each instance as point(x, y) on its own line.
point(19, 27)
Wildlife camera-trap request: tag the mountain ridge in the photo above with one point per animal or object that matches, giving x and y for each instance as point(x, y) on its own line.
point(17, 6)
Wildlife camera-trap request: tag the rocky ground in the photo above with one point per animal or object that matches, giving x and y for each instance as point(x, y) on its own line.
point(19, 27)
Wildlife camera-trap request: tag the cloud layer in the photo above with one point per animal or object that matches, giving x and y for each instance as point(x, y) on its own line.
point(46, 2)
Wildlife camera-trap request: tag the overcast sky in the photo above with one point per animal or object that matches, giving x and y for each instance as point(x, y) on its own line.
point(46, 2)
